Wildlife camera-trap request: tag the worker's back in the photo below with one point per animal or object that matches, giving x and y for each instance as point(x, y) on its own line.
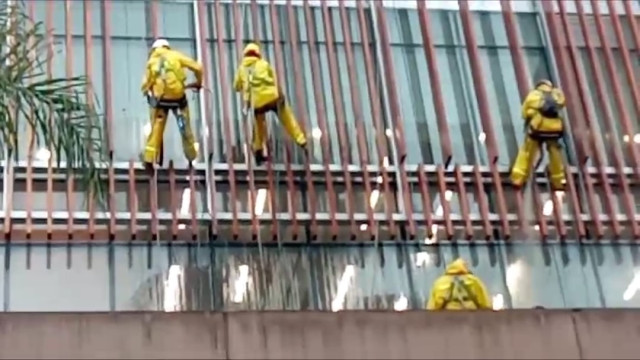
point(458, 289)
point(165, 71)
point(541, 108)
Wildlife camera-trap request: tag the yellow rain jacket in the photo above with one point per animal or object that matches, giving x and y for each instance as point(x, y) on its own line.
point(458, 289)
point(263, 88)
point(533, 109)
point(165, 76)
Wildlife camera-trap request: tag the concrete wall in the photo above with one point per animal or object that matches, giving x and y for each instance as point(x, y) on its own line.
point(310, 335)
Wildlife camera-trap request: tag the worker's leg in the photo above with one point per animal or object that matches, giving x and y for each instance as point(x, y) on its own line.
point(524, 161)
point(288, 120)
point(556, 166)
point(158, 118)
point(259, 137)
point(188, 140)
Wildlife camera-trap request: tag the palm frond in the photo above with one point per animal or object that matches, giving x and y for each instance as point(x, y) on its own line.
point(56, 109)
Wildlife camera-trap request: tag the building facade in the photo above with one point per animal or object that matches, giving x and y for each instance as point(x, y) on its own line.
point(413, 114)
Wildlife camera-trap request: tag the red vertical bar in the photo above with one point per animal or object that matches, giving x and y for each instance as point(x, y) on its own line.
point(192, 205)
point(483, 203)
point(238, 27)
point(88, 67)
point(523, 84)
point(423, 183)
point(577, 118)
point(590, 123)
point(173, 205)
point(434, 81)
point(108, 108)
point(632, 20)
point(279, 56)
point(573, 193)
point(68, 43)
point(627, 196)
point(376, 109)
point(301, 107)
point(204, 27)
point(29, 202)
point(624, 49)
point(446, 209)
point(153, 183)
point(133, 201)
point(255, 23)
point(226, 112)
point(483, 107)
point(358, 117)
point(339, 111)
point(322, 120)
point(464, 204)
point(396, 116)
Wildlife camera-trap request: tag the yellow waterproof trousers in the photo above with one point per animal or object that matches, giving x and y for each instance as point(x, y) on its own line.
point(528, 155)
point(158, 117)
point(287, 119)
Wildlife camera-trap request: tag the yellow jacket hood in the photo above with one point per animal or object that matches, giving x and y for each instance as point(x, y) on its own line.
point(457, 267)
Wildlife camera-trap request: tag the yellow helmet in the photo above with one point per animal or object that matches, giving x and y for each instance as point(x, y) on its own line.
point(544, 82)
point(252, 49)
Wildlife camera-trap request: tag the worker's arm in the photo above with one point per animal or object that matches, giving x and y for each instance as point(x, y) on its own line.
point(528, 109)
point(435, 301)
point(560, 98)
point(238, 81)
point(482, 295)
point(194, 66)
point(146, 80)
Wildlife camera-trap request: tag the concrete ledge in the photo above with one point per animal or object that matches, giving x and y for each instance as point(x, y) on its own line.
point(531, 334)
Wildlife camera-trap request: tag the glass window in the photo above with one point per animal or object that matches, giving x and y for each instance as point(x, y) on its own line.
point(617, 269)
point(58, 278)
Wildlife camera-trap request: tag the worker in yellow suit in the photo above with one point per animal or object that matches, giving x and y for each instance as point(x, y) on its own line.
point(257, 80)
point(164, 85)
point(458, 289)
point(541, 112)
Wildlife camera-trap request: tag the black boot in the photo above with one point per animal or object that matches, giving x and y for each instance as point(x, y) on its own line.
point(259, 157)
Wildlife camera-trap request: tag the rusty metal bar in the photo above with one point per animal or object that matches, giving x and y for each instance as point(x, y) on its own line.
point(226, 111)
point(427, 212)
point(575, 113)
point(395, 114)
point(133, 202)
point(30, 133)
point(255, 24)
point(434, 81)
point(302, 111)
point(321, 113)
point(483, 203)
point(624, 51)
point(68, 43)
point(446, 209)
point(279, 59)
point(88, 67)
point(632, 20)
point(601, 91)
point(192, 205)
point(357, 112)
point(376, 109)
point(108, 106)
point(172, 201)
point(209, 136)
point(153, 183)
point(521, 72)
point(590, 122)
point(238, 31)
point(338, 106)
point(577, 215)
point(464, 204)
point(483, 107)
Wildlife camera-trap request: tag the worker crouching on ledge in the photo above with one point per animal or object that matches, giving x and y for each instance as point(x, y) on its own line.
point(257, 80)
point(458, 289)
point(164, 85)
point(541, 112)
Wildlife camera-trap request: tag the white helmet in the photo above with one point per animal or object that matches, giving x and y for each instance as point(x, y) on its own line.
point(160, 43)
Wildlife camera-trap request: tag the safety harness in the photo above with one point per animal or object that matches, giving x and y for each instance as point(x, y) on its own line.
point(549, 109)
point(460, 292)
